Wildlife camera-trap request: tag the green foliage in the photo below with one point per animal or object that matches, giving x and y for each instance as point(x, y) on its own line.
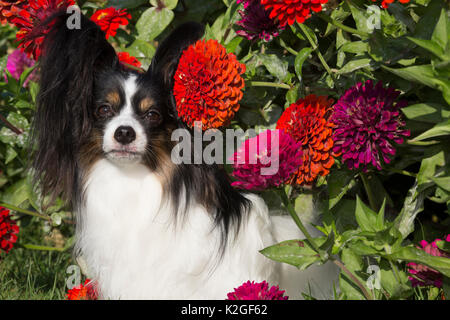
point(371, 223)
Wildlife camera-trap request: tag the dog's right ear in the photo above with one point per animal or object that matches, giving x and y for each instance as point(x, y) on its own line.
point(70, 60)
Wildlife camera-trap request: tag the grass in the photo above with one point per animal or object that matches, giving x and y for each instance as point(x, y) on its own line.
point(34, 274)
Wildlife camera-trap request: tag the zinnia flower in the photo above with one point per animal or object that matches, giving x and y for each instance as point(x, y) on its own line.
point(257, 291)
point(367, 123)
point(83, 292)
point(125, 57)
point(385, 4)
point(423, 275)
point(110, 19)
point(8, 230)
point(289, 11)
point(32, 32)
point(254, 158)
point(10, 9)
point(208, 85)
point(17, 63)
point(256, 22)
point(307, 121)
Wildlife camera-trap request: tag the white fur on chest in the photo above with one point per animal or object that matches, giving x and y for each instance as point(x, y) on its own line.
point(134, 251)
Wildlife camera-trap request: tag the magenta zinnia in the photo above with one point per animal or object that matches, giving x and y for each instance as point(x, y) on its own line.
point(8, 230)
point(367, 123)
point(256, 22)
point(270, 149)
point(423, 275)
point(17, 63)
point(257, 291)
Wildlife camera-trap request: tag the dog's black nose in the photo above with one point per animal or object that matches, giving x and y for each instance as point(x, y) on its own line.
point(125, 135)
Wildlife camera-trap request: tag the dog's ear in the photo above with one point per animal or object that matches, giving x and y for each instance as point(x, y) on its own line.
point(70, 61)
point(167, 56)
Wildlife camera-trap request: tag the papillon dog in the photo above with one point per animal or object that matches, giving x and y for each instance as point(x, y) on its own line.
point(147, 228)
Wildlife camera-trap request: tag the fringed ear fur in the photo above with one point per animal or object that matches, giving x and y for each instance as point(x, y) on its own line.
point(168, 54)
point(69, 63)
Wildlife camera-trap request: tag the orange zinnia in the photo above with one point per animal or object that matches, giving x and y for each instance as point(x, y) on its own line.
point(307, 121)
point(208, 85)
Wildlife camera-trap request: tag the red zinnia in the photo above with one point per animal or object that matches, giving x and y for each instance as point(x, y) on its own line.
point(10, 9)
point(110, 19)
point(8, 231)
point(125, 57)
point(208, 85)
point(289, 11)
point(307, 121)
point(31, 34)
point(385, 4)
point(83, 292)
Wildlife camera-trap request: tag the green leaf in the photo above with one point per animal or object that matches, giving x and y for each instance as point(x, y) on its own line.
point(17, 194)
point(426, 112)
point(169, 4)
point(412, 254)
point(300, 59)
point(11, 154)
point(366, 218)
point(443, 182)
point(339, 182)
point(396, 284)
point(356, 47)
point(361, 17)
point(380, 225)
point(142, 50)
point(294, 252)
point(276, 67)
point(443, 245)
point(429, 45)
point(412, 206)
point(354, 264)
point(421, 74)
point(355, 64)
point(438, 130)
point(153, 22)
point(440, 35)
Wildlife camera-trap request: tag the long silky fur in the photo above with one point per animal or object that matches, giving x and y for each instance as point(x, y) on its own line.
point(62, 122)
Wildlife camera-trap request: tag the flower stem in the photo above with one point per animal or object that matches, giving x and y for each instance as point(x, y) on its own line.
point(403, 172)
point(25, 211)
point(368, 191)
point(319, 54)
point(342, 26)
point(42, 248)
point(10, 125)
point(291, 210)
point(267, 84)
point(287, 203)
point(353, 277)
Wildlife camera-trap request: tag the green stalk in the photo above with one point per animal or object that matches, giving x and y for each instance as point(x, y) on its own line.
point(403, 172)
point(319, 54)
point(267, 84)
point(291, 210)
point(342, 26)
point(42, 248)
point(368, 191)
point(25, 211)
point(287, 203)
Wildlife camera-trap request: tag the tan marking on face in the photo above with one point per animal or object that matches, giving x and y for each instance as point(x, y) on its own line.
point(146, 104)
point(113, 98)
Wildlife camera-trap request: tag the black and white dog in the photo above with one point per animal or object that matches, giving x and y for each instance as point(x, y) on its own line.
point(147, 228)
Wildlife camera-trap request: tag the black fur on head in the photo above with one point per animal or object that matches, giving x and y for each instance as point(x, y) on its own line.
point(70, 61)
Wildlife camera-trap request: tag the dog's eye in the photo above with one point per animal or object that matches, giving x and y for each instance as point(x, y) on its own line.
point(104, 111)
point(152, 116)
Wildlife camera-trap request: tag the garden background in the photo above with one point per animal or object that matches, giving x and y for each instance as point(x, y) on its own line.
point(386, 213)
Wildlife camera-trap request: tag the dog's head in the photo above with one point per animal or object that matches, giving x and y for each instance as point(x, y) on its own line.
point(91, 107)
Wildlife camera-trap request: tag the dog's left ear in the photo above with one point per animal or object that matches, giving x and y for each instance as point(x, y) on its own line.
point(167, 56)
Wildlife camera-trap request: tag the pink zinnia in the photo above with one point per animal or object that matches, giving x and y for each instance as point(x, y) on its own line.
point(423, 275)
point(254, 158)
point(17, 63)
point(257, 291)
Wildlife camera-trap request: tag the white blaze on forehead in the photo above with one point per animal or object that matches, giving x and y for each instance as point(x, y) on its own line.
point(126, 117)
